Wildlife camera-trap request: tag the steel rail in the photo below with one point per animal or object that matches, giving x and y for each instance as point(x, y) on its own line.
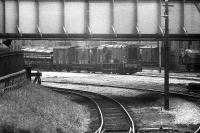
point(96, 104)
point(132, 128)
point(100, 129)
point(130, 88)
point(198, 130)
point(171, 77)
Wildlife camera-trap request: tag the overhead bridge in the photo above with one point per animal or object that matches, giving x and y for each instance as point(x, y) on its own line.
point(98, 19)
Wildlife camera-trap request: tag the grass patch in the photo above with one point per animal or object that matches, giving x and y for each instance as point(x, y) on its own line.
point(36, 109)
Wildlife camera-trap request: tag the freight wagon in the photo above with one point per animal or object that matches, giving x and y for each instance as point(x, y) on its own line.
point(41, 59)
point(120, 59)
point(149, 55)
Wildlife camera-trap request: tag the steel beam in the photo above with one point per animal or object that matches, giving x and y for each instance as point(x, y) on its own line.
point(18, 13)
point(106, 37)
point(18, 20)
point(184, 31)
point(160, 30)
point(136, 18)
point(38, 13)
point(197, 4)
point(49, 32)
point(63, 12)
point(63, 19)
point(87, 19)
point(4, 16)
point(38, 17)
point(112, 5)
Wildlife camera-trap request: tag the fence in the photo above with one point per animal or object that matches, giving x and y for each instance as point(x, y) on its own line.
point(11, 62)
point(12, 81)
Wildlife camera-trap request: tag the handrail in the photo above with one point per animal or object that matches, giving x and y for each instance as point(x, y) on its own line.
point(12, 75)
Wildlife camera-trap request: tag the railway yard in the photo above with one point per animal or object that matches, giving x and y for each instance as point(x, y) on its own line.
point(103, 89)
point(99, 66)
point(140, 94)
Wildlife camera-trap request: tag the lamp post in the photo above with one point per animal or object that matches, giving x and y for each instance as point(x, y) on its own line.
point(166, 41)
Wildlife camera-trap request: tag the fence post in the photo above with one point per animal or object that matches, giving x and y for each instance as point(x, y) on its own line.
point(28, 72)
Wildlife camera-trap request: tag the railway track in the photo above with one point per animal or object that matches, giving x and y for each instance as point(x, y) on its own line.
point(113, 116)
point(171, 77)
point(190, 95)
point(179, 93)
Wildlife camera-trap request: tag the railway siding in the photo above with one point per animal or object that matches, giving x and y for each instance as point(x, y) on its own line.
point(146, 83)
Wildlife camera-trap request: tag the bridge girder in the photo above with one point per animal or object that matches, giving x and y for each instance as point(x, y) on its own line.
point(98, 19)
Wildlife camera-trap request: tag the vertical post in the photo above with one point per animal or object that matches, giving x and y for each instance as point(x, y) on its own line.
point(112, 16)
point(151, 60)
point(63, 17)
point(28, 72)
point(160, 55)
point(38, 10)
point(159, 14)
point(136, 17)
point(18, 19)
point(166, 84)
point(17, 13)
point(183, 13)
point(87, 17)
point(159, 44)
point(63, 13)
point(183, 29)
point(4, 16)
point(38, 17)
